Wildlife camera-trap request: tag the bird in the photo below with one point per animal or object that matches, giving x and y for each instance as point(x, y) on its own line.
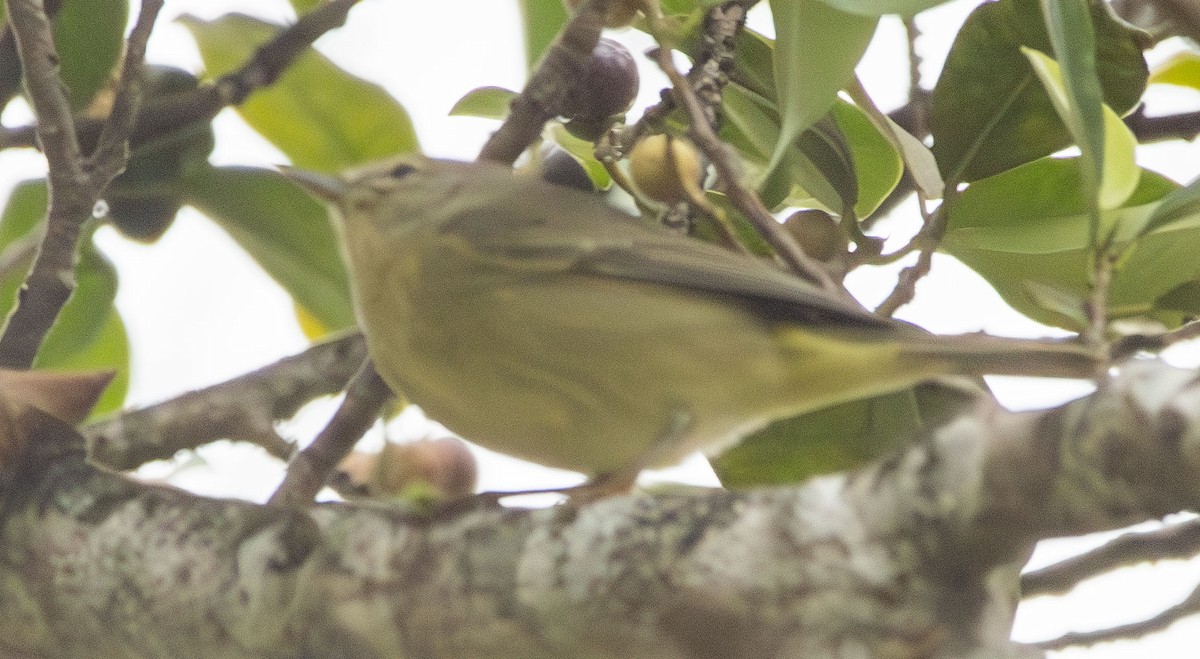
point(541, 322)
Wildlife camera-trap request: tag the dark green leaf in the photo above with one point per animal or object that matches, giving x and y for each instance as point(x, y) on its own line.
point(322, 117)
point(989, 113)
point(284, 229)
point(89, 35)
point(836, 438)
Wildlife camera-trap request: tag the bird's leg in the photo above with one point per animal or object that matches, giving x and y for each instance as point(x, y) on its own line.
point(620, 481)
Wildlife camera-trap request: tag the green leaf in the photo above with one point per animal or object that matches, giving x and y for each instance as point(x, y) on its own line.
point(816, 50)
point(584, 153)
point(284, 229)
point(881, 7)
point(1182, 205)
point(914, 154)
point(1075, 90)
point(877, 165)
point(486, 102)
point(1029, 225)
point(836, 438)
point(322, 117)
point(1182, 69)
point(304, 6)
point(542, 19)
point(89, 36)
point(1110, 174)
point(845, 161)
point(87, 333)
point(988, 112)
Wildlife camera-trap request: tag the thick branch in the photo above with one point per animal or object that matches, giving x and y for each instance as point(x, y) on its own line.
point(915, 556)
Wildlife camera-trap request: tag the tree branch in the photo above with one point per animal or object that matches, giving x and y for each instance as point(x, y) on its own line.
point(244, 408)
point(74, 185)
point(548, 87)
point(913, 556)
point(308, 472)
point(1179, 541)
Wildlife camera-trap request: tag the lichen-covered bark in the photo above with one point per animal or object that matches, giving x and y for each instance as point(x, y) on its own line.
point(916, 556)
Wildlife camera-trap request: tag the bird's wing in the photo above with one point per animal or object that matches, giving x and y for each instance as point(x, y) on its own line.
point(589, 237)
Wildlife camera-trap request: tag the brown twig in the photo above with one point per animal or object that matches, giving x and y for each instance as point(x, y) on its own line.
point(554, 79)
point(75, 183)
point(308, 472)
point(739, 195)
point(178, 111)
point(244, 408)
point(1128, 345)
point(1178, 541)
point(1189, 606)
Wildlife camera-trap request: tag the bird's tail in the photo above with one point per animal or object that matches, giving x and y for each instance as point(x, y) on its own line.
point(978, 354)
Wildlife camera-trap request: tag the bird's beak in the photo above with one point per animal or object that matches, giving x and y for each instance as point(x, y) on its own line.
point(322, 186)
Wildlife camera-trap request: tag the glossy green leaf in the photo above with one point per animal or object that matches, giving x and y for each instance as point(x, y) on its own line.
point(322, 117)
point(817, 171)
point(877, 164)
point(284, 229)
point(1182, 69)
point(836, 438)
point(1110, 174)
point(989, 113)
point(1030, 225)
point(816, 50)
point(89, 36)
point(85, 334)
point(881, 7)
point(542, 20)
point(915, 155)
point(486, 102)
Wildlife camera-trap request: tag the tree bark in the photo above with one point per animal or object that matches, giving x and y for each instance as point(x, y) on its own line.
point(916, 556)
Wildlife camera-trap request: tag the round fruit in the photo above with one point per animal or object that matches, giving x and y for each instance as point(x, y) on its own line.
point(664, 168)
point(608, 85)
point(818, 234)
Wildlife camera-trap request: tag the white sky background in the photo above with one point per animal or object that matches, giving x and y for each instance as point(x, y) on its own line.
point(199, 311)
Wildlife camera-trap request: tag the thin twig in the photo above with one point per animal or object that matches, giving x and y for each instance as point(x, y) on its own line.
point(1168, 617)
point(111, 153)
point(741, 197)
point(244, 408)
point(550, 84)
point(1134, 343)
point(1179, 541)
point(174, 112)
point(73, 187)
point(308, 472)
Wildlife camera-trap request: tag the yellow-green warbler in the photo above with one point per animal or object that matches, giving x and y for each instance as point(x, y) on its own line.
point(537, 321)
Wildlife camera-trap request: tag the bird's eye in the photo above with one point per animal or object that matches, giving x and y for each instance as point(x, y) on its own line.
point(403, 170)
